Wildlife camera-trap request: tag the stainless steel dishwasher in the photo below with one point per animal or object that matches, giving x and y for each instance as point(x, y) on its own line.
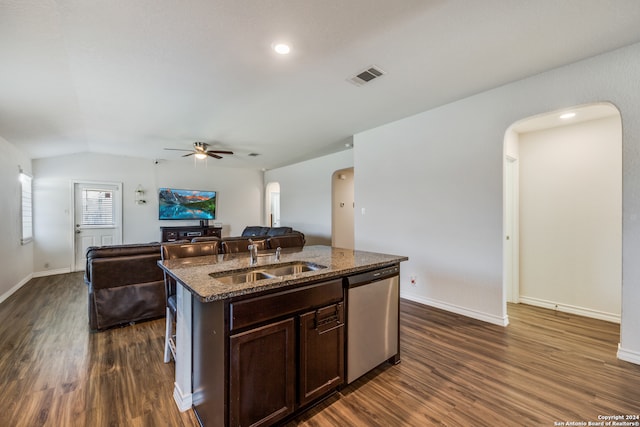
point(372, 320)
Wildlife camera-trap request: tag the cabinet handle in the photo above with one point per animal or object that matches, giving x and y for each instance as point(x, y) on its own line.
point(335, 318)
point(339, 325)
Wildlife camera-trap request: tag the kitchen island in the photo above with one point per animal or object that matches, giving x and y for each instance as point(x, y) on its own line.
point(259, 343)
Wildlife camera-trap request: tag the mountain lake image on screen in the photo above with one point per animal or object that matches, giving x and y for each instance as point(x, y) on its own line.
point(186, 204)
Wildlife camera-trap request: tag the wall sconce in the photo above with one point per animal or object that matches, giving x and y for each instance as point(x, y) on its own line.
point(139, 195)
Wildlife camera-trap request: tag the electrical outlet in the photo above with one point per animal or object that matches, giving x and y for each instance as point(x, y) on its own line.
point(413, 280)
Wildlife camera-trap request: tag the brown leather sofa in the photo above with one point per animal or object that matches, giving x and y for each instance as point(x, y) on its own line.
point(125, 284)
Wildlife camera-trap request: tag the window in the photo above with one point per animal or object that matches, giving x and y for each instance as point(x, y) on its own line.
point(26, 208)
point(97, 208)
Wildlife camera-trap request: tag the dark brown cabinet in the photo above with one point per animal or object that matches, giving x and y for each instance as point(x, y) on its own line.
point(283, 352)
point(262, 374)
point(321, 352)
point(172, 234)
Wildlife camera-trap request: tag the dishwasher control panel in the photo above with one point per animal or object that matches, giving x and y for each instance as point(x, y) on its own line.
point(371, 276)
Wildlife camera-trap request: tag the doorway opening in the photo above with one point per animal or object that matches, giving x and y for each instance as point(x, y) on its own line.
point(562, 214)
point(342, 209)
point(272, 204)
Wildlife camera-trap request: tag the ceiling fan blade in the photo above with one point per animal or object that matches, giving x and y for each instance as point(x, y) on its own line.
point(187, 155)
point(210, 154)
point(220, 151)
point(176, 149)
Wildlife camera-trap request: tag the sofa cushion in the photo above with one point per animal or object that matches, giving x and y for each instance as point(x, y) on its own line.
point(255, 230)
point(122, 250)
point(279, 231)
point(114, 272)
point(290, 240)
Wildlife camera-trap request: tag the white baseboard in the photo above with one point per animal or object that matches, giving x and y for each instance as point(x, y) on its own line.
point(184, 401)
point(628, 355)
point(478, 315)
point(566, 308)
point(52, 272)
point(15, 288)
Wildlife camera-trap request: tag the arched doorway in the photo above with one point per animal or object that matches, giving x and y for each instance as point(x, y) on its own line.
point(563, 211)
point(272, 204)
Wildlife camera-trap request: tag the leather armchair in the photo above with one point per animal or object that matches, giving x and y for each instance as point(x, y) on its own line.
point(231, 245)
point(125, 284)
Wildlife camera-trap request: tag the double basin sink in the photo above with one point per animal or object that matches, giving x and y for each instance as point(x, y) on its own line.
point(265, 272)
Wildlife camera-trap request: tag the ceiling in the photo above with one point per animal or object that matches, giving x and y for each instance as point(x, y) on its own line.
point(134, 77)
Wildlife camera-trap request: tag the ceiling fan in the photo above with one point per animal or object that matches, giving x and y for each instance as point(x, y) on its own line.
point(201, 152)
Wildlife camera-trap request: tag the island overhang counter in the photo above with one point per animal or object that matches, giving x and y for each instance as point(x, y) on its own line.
point(286, 314)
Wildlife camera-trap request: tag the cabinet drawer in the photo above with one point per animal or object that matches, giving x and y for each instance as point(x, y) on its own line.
point(256, 310)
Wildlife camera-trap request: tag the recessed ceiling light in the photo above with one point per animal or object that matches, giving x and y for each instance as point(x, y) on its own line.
point(281, 48)
point(566, 116)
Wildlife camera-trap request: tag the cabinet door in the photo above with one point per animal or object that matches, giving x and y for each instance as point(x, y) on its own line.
point(262, 374)
point(321, 352)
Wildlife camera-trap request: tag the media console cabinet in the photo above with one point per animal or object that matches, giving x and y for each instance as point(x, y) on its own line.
point(172, 234)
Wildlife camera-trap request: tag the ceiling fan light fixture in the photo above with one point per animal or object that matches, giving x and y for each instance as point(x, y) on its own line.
point(201, 151)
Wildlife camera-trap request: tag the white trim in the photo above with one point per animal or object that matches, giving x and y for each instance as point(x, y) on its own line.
point(478, 315)
point(628, 355)
point(184, 401)
point(183, 367)
point(15, 288)
point(46, 273)
point(566, 308)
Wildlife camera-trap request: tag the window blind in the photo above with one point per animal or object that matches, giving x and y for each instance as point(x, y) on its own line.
point(97, 208)
point(26, 208)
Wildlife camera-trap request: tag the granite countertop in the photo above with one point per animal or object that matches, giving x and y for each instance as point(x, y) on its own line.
point(194, 273)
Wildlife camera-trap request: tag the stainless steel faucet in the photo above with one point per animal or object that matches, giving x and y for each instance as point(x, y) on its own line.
point(253, 253)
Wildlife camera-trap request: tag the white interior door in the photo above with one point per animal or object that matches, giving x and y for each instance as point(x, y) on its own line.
point(97, 217)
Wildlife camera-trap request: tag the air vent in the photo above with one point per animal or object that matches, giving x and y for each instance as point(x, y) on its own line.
point(367, 75)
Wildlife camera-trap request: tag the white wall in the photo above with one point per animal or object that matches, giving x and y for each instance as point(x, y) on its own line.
point(305, 194)
point(570, 217)
point(16, 260)
point(240, 194)
point(434, 181)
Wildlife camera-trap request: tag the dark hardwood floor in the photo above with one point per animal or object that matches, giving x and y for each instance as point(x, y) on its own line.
point(544, 368)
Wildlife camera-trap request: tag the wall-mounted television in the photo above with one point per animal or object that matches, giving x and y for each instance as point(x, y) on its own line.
point(186, 204)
